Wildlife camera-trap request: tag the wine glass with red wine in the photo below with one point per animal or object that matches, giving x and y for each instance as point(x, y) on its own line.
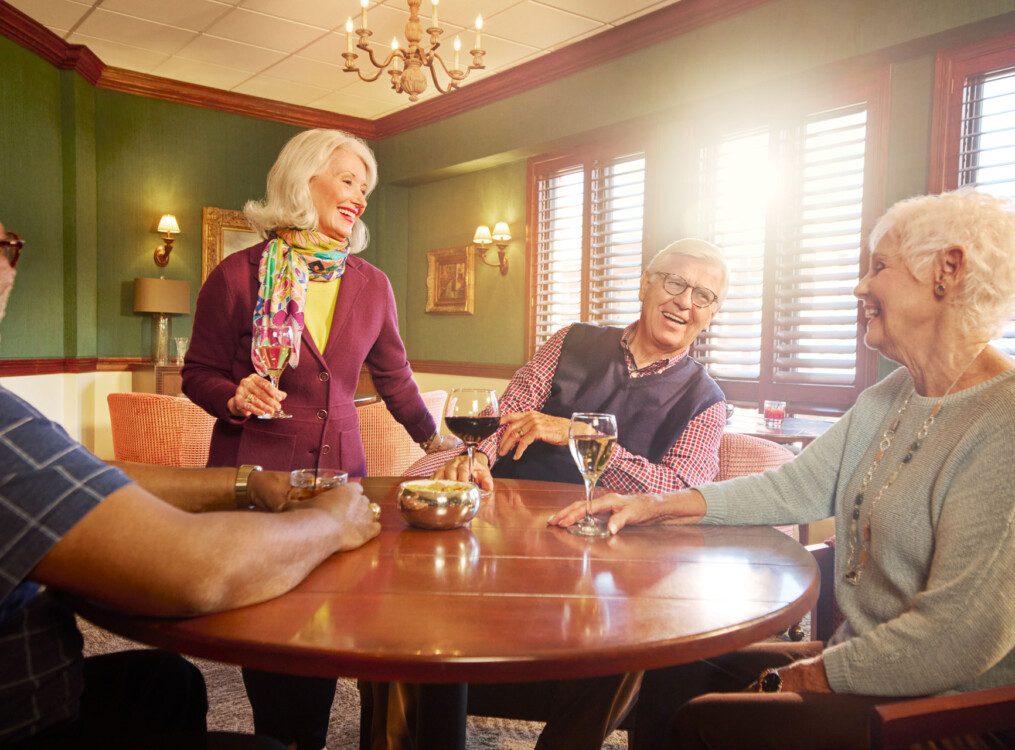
point(472, 414)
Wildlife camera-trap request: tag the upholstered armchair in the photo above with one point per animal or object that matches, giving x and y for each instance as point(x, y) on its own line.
point(389, 449)
point(154, 429)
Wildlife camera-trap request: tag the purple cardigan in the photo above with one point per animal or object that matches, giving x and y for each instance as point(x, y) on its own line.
point(324, 431)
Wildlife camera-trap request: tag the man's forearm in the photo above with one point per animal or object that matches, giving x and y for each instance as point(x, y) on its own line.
point(192, 490)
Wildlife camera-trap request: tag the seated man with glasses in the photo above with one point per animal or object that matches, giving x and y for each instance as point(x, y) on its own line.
point(670, 418)
point(670, 413)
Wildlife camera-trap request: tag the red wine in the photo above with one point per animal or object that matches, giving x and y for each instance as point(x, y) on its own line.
point(472, 429)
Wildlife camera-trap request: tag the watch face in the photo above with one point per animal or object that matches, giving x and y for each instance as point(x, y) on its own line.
point(771, 682)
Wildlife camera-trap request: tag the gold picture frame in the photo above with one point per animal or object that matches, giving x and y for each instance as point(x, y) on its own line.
point(223, 232)
point(451, 280)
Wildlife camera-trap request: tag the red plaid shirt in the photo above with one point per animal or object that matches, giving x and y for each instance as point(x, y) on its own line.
point(693, 460)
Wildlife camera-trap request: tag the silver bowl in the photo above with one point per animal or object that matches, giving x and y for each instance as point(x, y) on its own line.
point(437, 503)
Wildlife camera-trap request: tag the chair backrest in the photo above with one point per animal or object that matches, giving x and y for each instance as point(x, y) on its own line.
point(154, 429)
point(740, 455)
point(388, 447)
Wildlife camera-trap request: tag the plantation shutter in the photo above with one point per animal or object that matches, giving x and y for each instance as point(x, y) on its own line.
point(589, 219)
point(818, 257)
point(987, 148)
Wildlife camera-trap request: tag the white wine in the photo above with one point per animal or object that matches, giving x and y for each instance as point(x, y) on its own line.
point(273, 359)
point(592, 453)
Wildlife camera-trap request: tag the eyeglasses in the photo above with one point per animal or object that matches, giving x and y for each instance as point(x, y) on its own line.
point(676, 285)
point(11, 247)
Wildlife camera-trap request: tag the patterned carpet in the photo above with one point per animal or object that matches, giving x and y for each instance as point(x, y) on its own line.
point(229, 710)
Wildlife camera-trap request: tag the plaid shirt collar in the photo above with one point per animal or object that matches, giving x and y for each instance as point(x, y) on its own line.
point(660, 365)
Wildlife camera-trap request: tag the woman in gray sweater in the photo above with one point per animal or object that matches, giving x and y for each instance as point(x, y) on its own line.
point(919, 476)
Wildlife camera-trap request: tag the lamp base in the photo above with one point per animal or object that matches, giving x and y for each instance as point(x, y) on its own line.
point(162, 329)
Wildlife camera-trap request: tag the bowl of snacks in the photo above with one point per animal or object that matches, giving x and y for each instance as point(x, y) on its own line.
point(437, 503)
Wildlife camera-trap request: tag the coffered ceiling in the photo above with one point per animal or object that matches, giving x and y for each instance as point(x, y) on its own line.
point(291, 50)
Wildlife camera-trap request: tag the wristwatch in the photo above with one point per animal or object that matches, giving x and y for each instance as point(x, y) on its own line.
point(425, 445)
point(240, 487)
point(769, 681)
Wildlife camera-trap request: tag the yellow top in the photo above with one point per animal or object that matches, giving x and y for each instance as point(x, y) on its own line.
point(320, 310)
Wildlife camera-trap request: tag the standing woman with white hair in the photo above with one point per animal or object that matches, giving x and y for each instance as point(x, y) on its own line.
point(305, 273)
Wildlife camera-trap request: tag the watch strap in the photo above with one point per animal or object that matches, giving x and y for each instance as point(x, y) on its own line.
point(240, 487)
point(769, 681)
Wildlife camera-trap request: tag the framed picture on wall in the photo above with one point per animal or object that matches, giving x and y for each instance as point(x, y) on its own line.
point(223, 233)
point(450, 280)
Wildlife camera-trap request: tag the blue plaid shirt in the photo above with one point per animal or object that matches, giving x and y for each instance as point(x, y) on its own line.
point(48, 482)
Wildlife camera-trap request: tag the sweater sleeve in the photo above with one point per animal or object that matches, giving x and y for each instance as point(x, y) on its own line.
point(392, 375)
point(962, 622)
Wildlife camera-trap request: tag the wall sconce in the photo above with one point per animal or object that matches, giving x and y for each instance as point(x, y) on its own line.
point(168, 227)
point(500, 236)
point(161, 298)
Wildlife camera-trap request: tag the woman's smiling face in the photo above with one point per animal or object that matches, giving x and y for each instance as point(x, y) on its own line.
point(339, 194)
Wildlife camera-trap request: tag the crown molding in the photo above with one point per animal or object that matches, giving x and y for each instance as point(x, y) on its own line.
point(651, 28)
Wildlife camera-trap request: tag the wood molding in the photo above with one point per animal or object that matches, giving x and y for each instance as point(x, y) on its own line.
point(10, 368)
point(32, 35)
point(646, 30)
point(471, 369)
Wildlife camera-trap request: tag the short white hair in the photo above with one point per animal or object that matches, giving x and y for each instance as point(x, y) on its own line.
point(983, 226)
point(690, 247)
point(288, 203)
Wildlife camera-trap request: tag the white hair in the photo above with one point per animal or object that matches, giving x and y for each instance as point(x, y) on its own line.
point(690, 247)
point(288, 203)
point(983, 226)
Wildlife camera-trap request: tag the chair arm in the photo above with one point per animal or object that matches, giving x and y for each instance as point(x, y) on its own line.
point(899, 724)
point(823, 616)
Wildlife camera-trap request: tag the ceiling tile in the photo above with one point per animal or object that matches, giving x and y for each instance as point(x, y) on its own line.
point(264, 31)
point(312, 72)
point(537, 25)
point(604, 11)
point(500, 53)
point(326, 14)
point(230, 54)
point(62, 14)
point(121, 55)
point(351, 105)
point(203, 73)
point(328, 48)
point(280, 90)
point(104, 24)
point(193, 15)
point(644, 11)
point(464, 14)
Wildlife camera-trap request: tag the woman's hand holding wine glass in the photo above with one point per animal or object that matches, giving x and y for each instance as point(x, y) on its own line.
point(591, 438)
point(271, 348)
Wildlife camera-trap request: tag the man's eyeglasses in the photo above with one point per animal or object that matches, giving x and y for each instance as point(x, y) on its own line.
point(11, 247)
point(675, 285)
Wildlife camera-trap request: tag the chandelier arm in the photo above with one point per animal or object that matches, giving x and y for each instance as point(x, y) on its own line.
point(373, 59)
point(368, 79)
point(433, 74)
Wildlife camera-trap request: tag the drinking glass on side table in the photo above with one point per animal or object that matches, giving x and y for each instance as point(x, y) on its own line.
point(775, 412)
point(472, 414)
point(591, 437)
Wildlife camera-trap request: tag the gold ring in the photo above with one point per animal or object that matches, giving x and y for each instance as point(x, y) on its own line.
point(376, 510)
point(248, 398)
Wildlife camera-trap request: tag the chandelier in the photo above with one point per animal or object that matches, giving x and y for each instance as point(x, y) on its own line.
point(405, 66)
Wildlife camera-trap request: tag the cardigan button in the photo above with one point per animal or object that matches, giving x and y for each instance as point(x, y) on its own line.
point(323, 377)
point(325, 449)
point(322, 413)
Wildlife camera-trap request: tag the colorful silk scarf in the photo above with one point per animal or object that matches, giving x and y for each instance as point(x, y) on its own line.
point(291, 260)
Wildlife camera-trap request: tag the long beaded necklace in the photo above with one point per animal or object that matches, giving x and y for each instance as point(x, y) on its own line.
point(860, 535)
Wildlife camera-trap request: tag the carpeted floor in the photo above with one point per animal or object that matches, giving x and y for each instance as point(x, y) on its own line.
point(229, 710)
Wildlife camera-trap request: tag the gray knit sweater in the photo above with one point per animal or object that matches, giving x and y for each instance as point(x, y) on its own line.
point(935, 608)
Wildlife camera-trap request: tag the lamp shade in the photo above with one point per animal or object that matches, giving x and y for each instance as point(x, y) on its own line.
point(501, 232)
point(161, 296)
point(168, 225)
point(482, 236)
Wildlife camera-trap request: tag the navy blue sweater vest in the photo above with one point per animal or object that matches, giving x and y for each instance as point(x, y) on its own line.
point(651, 411)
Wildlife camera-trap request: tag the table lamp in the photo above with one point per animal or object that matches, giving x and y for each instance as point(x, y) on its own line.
point(161, 298)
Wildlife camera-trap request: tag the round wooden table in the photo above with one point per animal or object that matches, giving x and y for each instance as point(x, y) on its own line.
point(508, 599)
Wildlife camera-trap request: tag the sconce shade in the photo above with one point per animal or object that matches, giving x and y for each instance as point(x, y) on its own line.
point(501, 232)
point(168, 225)
point(161, 296)
point(482, 236)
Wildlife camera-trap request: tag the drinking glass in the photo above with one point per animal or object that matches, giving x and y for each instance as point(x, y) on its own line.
point(775, 412)
point(472, 414)
point(182, 342)
point(272, 346)
point(591, 437)
point(305, 483)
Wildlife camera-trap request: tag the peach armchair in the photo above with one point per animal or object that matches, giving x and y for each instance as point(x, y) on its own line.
point(388, 447)
point(155, 429)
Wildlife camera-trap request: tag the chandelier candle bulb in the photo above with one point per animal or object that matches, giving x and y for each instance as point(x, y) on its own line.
point(479, 31)
point(458, 48)
point(397, 60)
point(363, 5)
point(348, 34)
point(434, 21)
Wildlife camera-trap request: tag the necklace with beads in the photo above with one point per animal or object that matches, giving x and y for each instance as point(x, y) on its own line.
point(860, 534)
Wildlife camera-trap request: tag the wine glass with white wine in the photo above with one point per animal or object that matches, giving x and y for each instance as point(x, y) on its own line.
point(272, 347)
point(591, 437)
